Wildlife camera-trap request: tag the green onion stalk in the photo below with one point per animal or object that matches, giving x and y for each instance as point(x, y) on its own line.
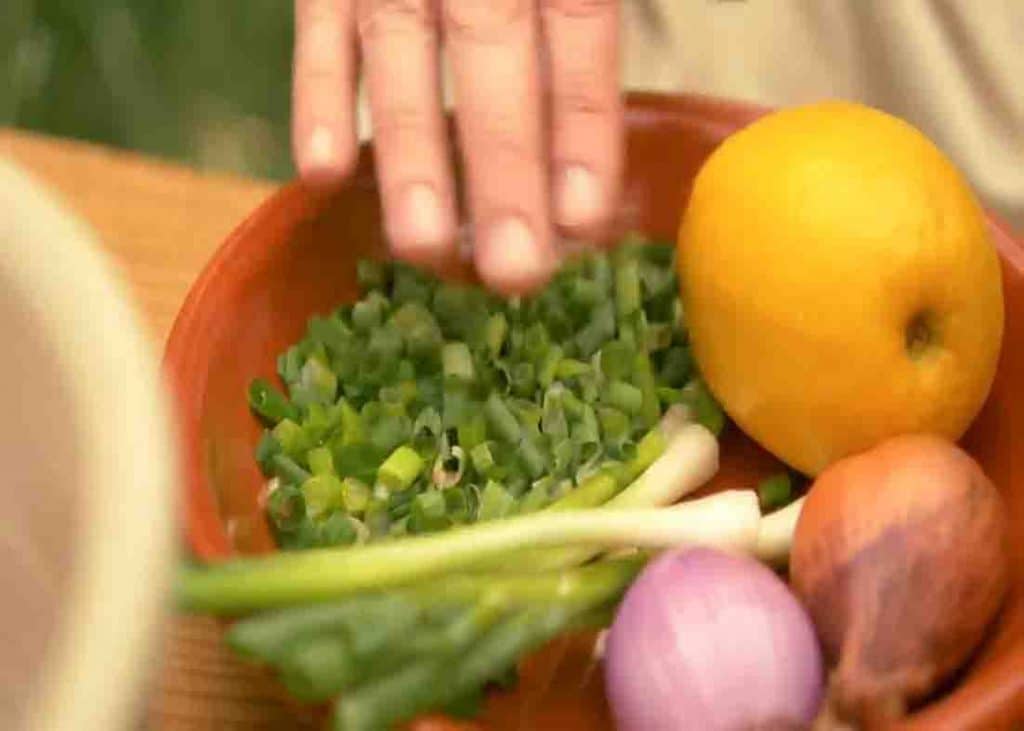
point(378, 625)
point(288, 578)
point(726, 520)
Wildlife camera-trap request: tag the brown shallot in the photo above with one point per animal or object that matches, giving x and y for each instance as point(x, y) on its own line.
point(899, 556)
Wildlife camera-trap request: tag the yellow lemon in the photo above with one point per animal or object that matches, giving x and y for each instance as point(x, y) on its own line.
point(840, 283)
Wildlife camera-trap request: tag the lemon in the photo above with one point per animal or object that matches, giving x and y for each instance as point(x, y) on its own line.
point(840, 283)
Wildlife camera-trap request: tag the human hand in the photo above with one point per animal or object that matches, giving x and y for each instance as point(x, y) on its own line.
point(537, 109)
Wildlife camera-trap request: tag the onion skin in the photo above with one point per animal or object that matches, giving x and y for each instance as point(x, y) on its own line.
point(900, 557)
point(711, 641)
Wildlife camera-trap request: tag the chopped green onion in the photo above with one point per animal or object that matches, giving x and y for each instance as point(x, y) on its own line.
point(705, 408)
point(320, 461)
point(532, 457)
point(323, 494)
point(332, 333)
point(615, 424)
point(495, 333)
point(584, 293)
point(554, 423)
point(601, 274)
point(389, 430)
point(456, 361)
point(368, 313)
point(428, 512)
point(495, 502)
point(586, 430)
point(428, 423)
point(351, 424)
point(472, 431)
point(288, 470)
point(548, 386)
point(536, 341)
point(386, 342)
point(265, 451)
point(500, 420)
point(625, 396)
point(358, 460)
point(270, 403)
point(523, 381)
point(286, 507)
point(669, 396)
point(775, 491)
point(573, 405)
point(627, 287)
point(528, 413)
point(336, 530)
point(407, 372)
point(400, 469)
point(482, 458)
point(643, 377)
point(562, 454)
point(537, 498)
point(398, 395)
point(547, 369)
point(457, 504)
point(410, 285)
point(677, 367)
point(622, 450)
point(458, 406)
point(600, 328)
point(419, 329)
point(376, 518)
point(291, 437)
point(399, 526)
point(355, 495)
point(569, 368)
point(317, 423)
point(659, 336)
point(289, 365)
point(617, 359)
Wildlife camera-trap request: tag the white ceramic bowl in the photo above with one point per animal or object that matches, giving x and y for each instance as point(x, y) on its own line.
point(86, 496)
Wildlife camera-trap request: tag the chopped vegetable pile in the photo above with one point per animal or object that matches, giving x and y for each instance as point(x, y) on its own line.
point(428, 404)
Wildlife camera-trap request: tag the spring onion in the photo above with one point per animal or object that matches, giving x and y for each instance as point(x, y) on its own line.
point(727, 520)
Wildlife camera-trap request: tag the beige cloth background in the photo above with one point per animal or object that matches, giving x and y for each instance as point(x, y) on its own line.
point(954, 68)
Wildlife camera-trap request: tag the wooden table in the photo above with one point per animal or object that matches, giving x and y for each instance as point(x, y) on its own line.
point(161, 222)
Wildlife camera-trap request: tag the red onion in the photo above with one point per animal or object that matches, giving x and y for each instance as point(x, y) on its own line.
point(707, 640)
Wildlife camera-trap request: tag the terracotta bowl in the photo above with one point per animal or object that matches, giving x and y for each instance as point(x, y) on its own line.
point(295, 256)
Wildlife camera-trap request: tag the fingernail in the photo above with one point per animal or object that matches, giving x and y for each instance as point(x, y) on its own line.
point(320, 150)
point(421, 220)
point(579, 201)
point(512, 259)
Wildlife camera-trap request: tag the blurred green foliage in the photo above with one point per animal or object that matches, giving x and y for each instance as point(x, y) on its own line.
point(205, 82)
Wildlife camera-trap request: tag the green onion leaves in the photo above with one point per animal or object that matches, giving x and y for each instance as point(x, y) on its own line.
point(426, 403)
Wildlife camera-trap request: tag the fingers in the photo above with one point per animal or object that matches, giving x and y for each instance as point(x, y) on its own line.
point(492, 48)
point(401, 65)
point(586, 111)
point(323, 90)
